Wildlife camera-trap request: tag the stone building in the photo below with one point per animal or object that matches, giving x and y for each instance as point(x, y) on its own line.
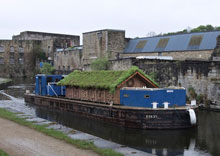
point(18, 56)
point(107, 43)
point(179, 47)
point(50, 41)
point(113, 45)
point(68, 59)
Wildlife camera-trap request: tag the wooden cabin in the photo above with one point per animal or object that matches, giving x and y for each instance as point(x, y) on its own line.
point(104, 86)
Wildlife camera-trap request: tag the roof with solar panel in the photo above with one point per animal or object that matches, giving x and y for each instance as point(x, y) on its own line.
point(180, 42)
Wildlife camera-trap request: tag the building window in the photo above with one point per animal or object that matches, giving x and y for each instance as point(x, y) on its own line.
point(12, 49)
point(12, 61)
point(63, 67)
point(21, 61)
point(2, 49)
point(195, 42)
point(1, 60)
point(99, 35)
point(21, 49)
point(68, 67)
point(161, 45)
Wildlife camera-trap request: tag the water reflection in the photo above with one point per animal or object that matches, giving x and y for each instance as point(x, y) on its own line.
point(163, 142)
point(203, 140)
point(18, 87)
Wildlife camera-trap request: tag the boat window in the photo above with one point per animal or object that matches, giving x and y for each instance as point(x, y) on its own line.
point(49, 79)
point(57, 80)
point(146, 96)
point(125, 95)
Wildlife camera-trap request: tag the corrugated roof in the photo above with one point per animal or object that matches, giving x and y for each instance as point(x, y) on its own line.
point(179, 42)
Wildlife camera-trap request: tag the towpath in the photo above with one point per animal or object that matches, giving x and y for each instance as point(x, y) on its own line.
point(18, 140)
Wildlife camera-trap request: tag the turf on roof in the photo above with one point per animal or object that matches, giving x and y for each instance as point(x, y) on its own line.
point(100, 79)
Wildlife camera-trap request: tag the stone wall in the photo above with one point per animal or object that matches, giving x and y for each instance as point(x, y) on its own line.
point(32, 35)
point(68, 60)
point(17, 58)
point(51, 41)
point(216, 53)
point(102, 44)
point(203, 76)
point(182, 55)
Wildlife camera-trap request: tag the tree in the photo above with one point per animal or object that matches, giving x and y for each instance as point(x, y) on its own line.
point(201, 28)
point(39, 53)
point(100, 64)
point(151, 34)
point(47, 69)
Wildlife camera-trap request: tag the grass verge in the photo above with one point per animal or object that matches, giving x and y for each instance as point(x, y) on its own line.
point(2, 153)
point(58, 135)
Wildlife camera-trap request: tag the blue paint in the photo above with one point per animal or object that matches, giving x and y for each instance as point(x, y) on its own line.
point(145, 97)
point(41, 64)
point(46, 85)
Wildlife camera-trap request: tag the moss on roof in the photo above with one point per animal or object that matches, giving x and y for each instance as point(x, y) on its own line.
point(104, 79)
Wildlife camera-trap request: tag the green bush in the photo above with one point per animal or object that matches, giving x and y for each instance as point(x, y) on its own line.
point(192, 93)
point(2, 153)
point(100, 64)
point(153, 75)
point(39, 53)
point(47, 69)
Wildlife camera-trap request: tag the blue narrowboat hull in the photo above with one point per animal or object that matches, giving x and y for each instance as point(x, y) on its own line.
point(132, 117)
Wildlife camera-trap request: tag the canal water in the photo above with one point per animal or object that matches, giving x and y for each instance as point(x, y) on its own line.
point(203, 140)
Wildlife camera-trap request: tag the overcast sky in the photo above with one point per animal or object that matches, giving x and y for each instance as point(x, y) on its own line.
point(137, 17)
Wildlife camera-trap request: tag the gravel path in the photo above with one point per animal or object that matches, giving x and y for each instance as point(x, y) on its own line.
point(18, 140)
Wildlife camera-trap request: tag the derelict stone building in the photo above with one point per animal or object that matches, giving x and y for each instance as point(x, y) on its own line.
point(68, 59)
point(18, 56)
point(107, 43)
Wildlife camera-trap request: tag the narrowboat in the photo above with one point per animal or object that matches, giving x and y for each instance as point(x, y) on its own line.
point(127, 98)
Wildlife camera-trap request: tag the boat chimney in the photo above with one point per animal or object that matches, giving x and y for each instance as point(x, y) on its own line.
point(166, 105)
point(154, 105)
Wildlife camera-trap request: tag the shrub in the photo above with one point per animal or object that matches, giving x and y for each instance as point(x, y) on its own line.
point(47, 69)
point(192, 93)
point(100, 64)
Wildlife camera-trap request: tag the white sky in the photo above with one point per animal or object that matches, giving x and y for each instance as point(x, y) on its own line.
point(136, 17)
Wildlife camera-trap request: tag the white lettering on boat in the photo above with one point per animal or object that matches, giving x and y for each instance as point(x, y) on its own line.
point(151, 116)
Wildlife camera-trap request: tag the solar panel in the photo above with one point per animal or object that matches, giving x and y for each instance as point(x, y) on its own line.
point(141, 44)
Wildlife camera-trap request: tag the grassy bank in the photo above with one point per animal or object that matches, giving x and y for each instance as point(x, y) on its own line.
point(58, 135)
point(2, 153)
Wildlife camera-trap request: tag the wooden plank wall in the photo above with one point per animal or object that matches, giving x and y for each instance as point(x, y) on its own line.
point(98, 95)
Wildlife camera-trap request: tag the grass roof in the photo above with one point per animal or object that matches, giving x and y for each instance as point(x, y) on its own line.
point(105, 79)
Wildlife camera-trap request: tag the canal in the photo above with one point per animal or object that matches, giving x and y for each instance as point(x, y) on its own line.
point(203, 140)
